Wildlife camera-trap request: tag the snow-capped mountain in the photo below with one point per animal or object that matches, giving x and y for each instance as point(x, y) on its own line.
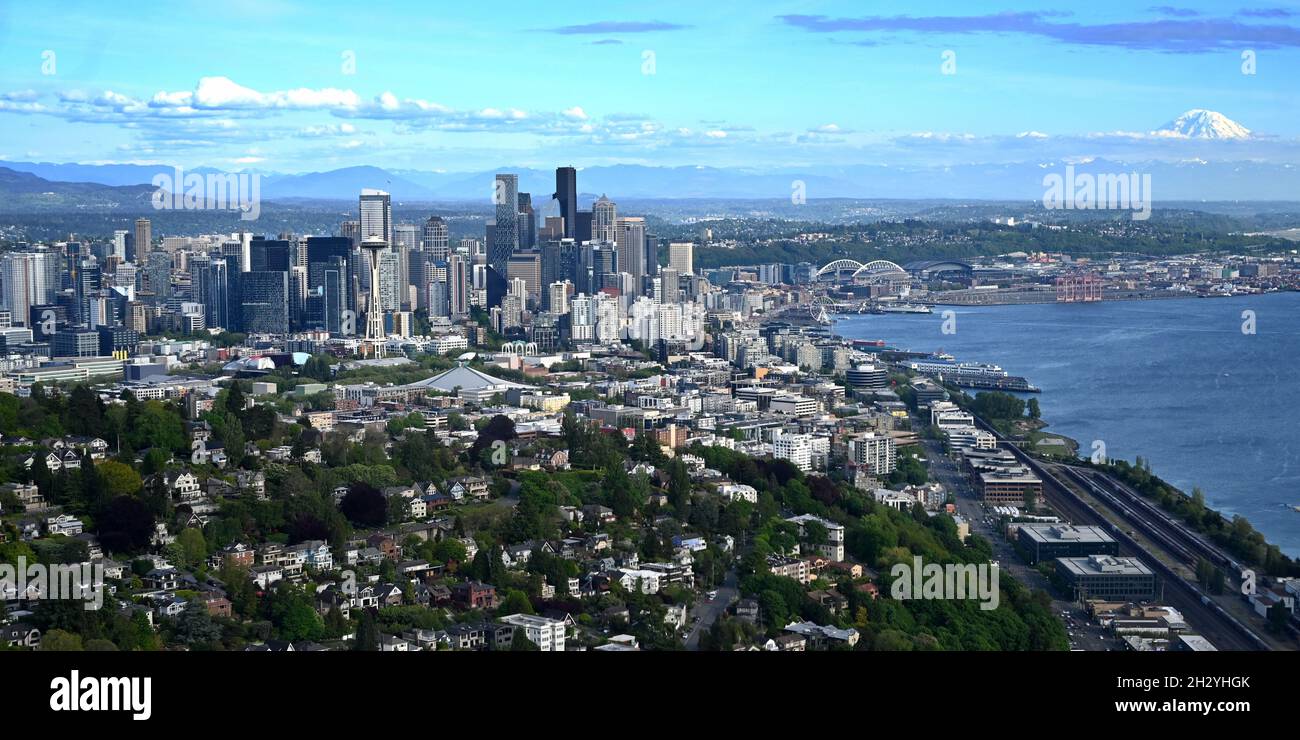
point(1199, 123)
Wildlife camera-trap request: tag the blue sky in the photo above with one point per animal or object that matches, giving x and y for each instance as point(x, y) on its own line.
point(290, 86)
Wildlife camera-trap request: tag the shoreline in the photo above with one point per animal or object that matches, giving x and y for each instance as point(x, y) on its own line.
point(1270, 505)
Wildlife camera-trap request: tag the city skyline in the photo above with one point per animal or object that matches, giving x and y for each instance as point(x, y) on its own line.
point(789, 84)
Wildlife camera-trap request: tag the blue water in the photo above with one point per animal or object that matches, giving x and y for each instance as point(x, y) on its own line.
point(1175, 381)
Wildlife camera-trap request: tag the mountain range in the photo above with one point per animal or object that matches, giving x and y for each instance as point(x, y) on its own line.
point(1194, 179)
point(1189, 180)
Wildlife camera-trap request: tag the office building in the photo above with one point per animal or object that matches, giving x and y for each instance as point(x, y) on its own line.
point(681, 257)
point(27, 279)
point(527, 222)
point(329, 284)
point(604, 221)
point(264, 302)
point(505, 232)
point(630, 241)
point(142, 240)
point(435, 239)
point(1107, 577)
point(566, 193)
point(458, 285)
point(376, 216)
point(867, 377)
point(528, 267)
point(75, 343)
point(1040, 542)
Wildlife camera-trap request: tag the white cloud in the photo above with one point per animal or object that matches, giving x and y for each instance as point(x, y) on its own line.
point(222, 92)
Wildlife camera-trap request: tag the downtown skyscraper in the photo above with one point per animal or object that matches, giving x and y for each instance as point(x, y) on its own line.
point(505, 234)
point(376, 215)
point(566, 193)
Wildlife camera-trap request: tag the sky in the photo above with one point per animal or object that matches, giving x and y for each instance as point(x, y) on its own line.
point(284, 86)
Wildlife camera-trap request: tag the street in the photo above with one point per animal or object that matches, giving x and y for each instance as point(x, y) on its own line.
point(708, 610)
point(1083, 634)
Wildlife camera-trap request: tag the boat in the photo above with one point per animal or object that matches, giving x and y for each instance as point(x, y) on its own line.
point(901, 308)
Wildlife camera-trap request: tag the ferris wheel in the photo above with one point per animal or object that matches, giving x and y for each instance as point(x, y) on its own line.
point(820, 309)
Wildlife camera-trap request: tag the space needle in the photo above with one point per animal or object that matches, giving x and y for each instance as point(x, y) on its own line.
point(375, 337)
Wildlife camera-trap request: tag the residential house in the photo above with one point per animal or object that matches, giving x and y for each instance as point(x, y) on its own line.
point(475, 595)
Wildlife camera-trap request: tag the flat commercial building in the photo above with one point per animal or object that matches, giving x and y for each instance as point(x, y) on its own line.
point(792, 405)
point(1010, 486)
point(1039, 542)
point(75, 343)
point(1107, 577)
point(927, 391)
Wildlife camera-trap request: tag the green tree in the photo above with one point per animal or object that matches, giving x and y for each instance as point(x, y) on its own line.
point(193, 546)
point(194, 626)
point(515, 602)
point(118, 479)
point(519, 642)
point(367, 634)
point(57, 640)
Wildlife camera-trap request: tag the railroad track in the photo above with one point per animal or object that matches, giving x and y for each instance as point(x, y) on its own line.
point(1221, 627)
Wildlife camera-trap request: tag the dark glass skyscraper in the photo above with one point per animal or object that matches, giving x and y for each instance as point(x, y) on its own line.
point(329, 282)
point(270, 255)
point(505, 237)
point(264, 300)
point(566, 192)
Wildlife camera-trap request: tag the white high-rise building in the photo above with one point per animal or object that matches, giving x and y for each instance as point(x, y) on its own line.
point(797, 448)
point(609, 320)
point(119, 243)
point(404, 242)
point(681, 257)
point(124, 279)
point(559, 297)
point(27, 279)
point(582, 319)
point(875, 453)
point(390, 294)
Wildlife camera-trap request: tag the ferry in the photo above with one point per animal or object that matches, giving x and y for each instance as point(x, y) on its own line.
point(942, 364)
point(901, 308)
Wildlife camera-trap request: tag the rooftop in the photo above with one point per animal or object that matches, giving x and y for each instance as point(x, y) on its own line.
point(1109, 565)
